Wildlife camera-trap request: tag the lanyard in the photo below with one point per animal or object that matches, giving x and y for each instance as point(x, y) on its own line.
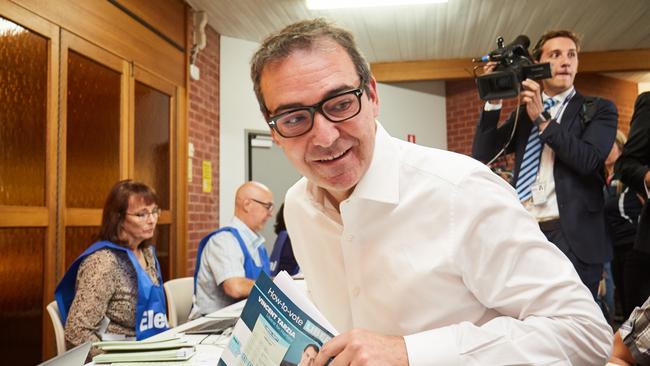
point(564, 105)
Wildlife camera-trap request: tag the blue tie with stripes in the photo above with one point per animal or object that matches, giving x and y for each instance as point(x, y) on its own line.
point(530, 162)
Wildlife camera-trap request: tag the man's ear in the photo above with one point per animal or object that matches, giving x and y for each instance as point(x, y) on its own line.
point(373, 96)
point(275, 137)
point(246, 205)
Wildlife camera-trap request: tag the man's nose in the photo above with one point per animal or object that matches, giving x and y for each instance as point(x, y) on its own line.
point(324, 132)
point(565, 60)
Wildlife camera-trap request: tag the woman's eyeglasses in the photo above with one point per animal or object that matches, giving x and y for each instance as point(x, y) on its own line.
point(144, 215)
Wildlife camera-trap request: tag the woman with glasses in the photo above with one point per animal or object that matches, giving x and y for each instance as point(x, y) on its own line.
point(113, 290)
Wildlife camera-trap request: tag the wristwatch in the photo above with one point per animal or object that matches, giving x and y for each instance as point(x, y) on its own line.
point(543, 117)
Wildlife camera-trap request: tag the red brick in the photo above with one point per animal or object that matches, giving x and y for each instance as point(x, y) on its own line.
point(203, 131)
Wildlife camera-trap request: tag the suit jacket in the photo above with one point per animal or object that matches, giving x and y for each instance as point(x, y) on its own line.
point(580, 152)
point(634, 163)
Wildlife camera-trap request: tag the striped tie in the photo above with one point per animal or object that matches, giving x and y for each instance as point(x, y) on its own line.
point(530, 163)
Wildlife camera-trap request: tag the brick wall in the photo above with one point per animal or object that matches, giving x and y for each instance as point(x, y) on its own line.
point(203, 133)
point(464, 105)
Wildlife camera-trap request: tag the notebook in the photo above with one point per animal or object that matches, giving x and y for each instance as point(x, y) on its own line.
point(73, 357)
point(163, 356)
point(213, 326)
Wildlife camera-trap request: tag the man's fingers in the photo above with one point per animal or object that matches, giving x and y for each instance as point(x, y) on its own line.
point(330, 349)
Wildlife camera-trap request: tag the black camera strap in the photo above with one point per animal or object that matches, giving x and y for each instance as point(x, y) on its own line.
point(589, 109)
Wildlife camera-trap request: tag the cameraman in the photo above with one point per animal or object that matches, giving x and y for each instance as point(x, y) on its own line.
point(563, 148)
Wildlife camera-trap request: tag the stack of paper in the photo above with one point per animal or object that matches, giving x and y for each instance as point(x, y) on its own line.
point(167, 349)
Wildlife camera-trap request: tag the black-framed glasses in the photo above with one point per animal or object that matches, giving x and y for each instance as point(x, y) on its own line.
point(144, 215)
point(337, 108)
point(268, 205)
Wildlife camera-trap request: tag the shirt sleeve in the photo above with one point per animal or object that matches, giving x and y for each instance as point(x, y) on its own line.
point(223, 257)
point(636, 333)
point(492, 107)
point(539, 311)
point(94, 289)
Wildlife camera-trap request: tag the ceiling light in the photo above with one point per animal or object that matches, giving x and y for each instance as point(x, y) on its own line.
point(338, 4)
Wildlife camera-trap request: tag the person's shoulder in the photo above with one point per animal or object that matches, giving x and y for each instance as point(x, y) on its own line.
point(101, 261)
point(437, 163)
point(105, 255)
point(598, 101)
point(223, 240)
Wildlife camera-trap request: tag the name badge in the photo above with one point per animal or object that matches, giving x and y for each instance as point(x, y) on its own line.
point(538, 191)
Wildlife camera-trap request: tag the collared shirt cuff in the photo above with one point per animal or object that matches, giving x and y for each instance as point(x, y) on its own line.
point(492, 107)
point(433, 347)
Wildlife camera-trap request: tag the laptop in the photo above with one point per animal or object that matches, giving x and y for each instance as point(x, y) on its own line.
point(72, 357)
point(214, 326)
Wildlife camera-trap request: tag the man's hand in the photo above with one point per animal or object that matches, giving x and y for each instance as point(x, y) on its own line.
point(361, 347)
point(621, 354)
point(531, 95)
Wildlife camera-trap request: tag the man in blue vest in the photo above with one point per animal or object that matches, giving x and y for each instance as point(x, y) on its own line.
point(229, 259)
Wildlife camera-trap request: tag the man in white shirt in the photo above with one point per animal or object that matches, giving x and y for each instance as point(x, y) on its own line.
point(230, 259)
point(560, 142)
point(418, 256)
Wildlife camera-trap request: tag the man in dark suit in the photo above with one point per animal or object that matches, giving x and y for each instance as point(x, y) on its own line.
point(560, 143)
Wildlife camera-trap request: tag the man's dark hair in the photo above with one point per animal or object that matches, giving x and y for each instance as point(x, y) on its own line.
point(311, 345)
point(537, 50)
point(279, 221)
point(116, 205)
point(304, 35)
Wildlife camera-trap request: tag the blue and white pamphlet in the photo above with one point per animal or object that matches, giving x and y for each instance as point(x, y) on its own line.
point(278, 322)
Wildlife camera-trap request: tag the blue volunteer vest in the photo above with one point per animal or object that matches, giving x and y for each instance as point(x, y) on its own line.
point(251, 270)
point(151, 309)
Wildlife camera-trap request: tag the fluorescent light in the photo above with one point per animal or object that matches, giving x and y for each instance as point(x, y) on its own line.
point(338, 4)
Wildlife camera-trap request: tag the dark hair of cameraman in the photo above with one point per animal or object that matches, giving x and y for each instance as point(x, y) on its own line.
point(537, 50)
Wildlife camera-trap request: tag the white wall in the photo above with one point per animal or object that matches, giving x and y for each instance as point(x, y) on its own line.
point(407, 108)
point(416, 108)
point(644, 87)
point(239, 112)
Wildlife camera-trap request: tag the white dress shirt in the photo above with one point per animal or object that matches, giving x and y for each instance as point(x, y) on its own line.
point(433, 246)
point(549, 209)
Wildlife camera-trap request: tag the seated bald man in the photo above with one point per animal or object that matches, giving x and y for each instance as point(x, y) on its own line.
point(229, 259)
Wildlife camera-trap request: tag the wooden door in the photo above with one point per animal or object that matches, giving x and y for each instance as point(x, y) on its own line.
point(152, 142)
point(94, 139)
point(29, 55)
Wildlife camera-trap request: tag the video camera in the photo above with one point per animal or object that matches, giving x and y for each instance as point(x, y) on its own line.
point(514, 65)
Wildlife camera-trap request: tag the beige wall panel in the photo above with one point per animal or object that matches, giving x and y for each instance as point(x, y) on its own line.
point(106, 25)
point(166, 16)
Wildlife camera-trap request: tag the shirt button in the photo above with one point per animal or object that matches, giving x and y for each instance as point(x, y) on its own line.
point(356, 291)
point(350, 237)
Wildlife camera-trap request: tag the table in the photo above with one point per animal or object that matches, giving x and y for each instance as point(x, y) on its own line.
point(208, 347)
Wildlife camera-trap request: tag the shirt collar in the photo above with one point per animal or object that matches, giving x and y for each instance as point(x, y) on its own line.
point(559, 98)
point(381, 181)
point(246, 233)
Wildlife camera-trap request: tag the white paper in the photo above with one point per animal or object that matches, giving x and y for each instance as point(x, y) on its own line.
point(298, 296)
